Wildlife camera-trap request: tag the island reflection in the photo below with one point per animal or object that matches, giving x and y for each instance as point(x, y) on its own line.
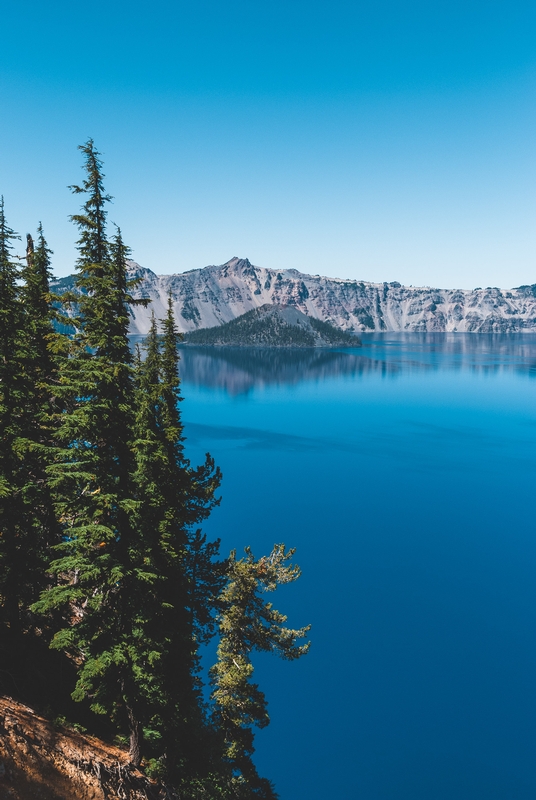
point(239, 370)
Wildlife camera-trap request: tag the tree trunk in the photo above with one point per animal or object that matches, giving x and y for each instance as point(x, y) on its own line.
point(29, 249)
point(136, 739)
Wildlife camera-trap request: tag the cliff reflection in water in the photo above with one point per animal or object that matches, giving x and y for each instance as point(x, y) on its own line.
point(238, 370)
point(475, 352)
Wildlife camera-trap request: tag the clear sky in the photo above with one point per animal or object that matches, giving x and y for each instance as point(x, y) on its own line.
point(376, 140)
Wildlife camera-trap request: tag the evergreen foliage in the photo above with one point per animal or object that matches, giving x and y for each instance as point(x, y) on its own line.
point(26, 368)
point(173, 497)
point(101, 551)
point(31, 352)
point(11, 397)
point(273, 326)
point(100, 568)
point(41, 352)
point(248, 623)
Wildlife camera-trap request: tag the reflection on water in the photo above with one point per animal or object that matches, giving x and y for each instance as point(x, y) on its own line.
point(238, 370)
point(451, 350)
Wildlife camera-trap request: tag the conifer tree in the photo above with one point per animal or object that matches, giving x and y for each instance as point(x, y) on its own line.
point(27, 521)
point(248, 623)
point(11, 395)
point(40, 349)
point(9, 328)
point(36, 299)
point(173, 497)
point(98, 565)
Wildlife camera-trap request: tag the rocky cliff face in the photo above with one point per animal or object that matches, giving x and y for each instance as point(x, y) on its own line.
point(211, 296)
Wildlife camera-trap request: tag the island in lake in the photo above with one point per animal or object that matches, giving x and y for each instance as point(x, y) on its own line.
point(273, 326)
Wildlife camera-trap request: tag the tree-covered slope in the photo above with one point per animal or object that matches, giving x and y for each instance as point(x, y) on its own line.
point(273, 326)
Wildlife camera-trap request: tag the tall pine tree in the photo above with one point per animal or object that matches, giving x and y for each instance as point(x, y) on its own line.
point(97, 569)
point(173, 497)
point(12, 540)
point(247, 623)
point(28, 526)
point(42, 348)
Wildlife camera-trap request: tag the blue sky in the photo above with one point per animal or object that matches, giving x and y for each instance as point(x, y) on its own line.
point(378, 141)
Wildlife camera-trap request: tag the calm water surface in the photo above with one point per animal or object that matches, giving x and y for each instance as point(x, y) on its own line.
point(404, 473)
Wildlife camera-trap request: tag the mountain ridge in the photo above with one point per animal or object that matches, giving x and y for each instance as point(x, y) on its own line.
point(216, 294)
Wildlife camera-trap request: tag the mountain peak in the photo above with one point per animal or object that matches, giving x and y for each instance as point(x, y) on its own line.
point(235, 261)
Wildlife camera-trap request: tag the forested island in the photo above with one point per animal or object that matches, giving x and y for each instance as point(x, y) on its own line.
point(273, 326)
point(108, 587)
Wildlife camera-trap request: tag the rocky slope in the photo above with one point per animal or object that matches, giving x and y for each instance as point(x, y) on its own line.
point(273, 326)
point(203, 298)
point(39, 762)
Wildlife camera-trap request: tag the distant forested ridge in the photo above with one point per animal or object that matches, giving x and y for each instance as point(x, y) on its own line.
point(108, 586)
point(273, 326)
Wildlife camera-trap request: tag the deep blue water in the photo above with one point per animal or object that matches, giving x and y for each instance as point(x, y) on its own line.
point(404, 474)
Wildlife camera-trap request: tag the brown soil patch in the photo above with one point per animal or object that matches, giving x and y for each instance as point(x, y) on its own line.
point(38, 762)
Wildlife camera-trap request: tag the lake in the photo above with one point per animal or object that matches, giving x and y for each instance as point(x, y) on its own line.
point(404, 474)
